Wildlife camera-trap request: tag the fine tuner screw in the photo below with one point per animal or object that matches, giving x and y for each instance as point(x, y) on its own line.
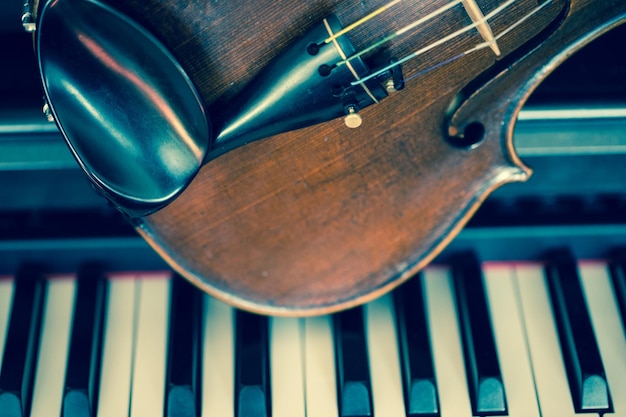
point(47, 112)
point(28, 19)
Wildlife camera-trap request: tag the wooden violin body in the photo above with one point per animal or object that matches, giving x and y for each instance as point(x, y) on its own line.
point(326, 217)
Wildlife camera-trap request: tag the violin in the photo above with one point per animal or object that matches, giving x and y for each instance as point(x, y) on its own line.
point(298, 158)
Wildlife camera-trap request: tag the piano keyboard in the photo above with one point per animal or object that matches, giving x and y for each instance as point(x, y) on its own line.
point(514, 339)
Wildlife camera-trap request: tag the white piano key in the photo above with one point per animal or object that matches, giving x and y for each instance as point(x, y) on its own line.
point(508, 327)
point(286, 373)
point(384, 359)
point(446, 342)
point(218, 373)
point(608, 329)
point(551, 384)
point(148, 380)
point(53, 348)
point(319, 364)
point(117, 355)
point(6, 297)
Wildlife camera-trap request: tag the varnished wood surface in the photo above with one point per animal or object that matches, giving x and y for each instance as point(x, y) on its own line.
point(327, 217)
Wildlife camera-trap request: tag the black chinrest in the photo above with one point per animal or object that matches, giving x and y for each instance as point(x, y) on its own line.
point(128, 111)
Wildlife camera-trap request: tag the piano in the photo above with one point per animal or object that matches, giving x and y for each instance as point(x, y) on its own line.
point(524, 314)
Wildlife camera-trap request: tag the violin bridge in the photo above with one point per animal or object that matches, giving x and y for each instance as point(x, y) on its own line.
point(482, 25)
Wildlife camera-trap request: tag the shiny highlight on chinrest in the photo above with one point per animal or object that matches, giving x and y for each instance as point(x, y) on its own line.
point(128, 111)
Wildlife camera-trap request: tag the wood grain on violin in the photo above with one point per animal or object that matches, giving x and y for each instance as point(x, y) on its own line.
point(327, 217)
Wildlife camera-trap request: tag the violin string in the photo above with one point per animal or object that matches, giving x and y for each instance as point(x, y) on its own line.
point(473, 11)
point(482, 45)
point(445, 62)
point(361, 21)
point(402, 31)
point(437, 43)
point(523, 19)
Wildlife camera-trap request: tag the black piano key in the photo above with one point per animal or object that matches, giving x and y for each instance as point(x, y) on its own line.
point(420, 384)
point(183, 386)
point(85, 350)
point(618, 276)
point(252, 380)
point(585, 372)
point(484, 378)
point(354, 386)
point(22, 344)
